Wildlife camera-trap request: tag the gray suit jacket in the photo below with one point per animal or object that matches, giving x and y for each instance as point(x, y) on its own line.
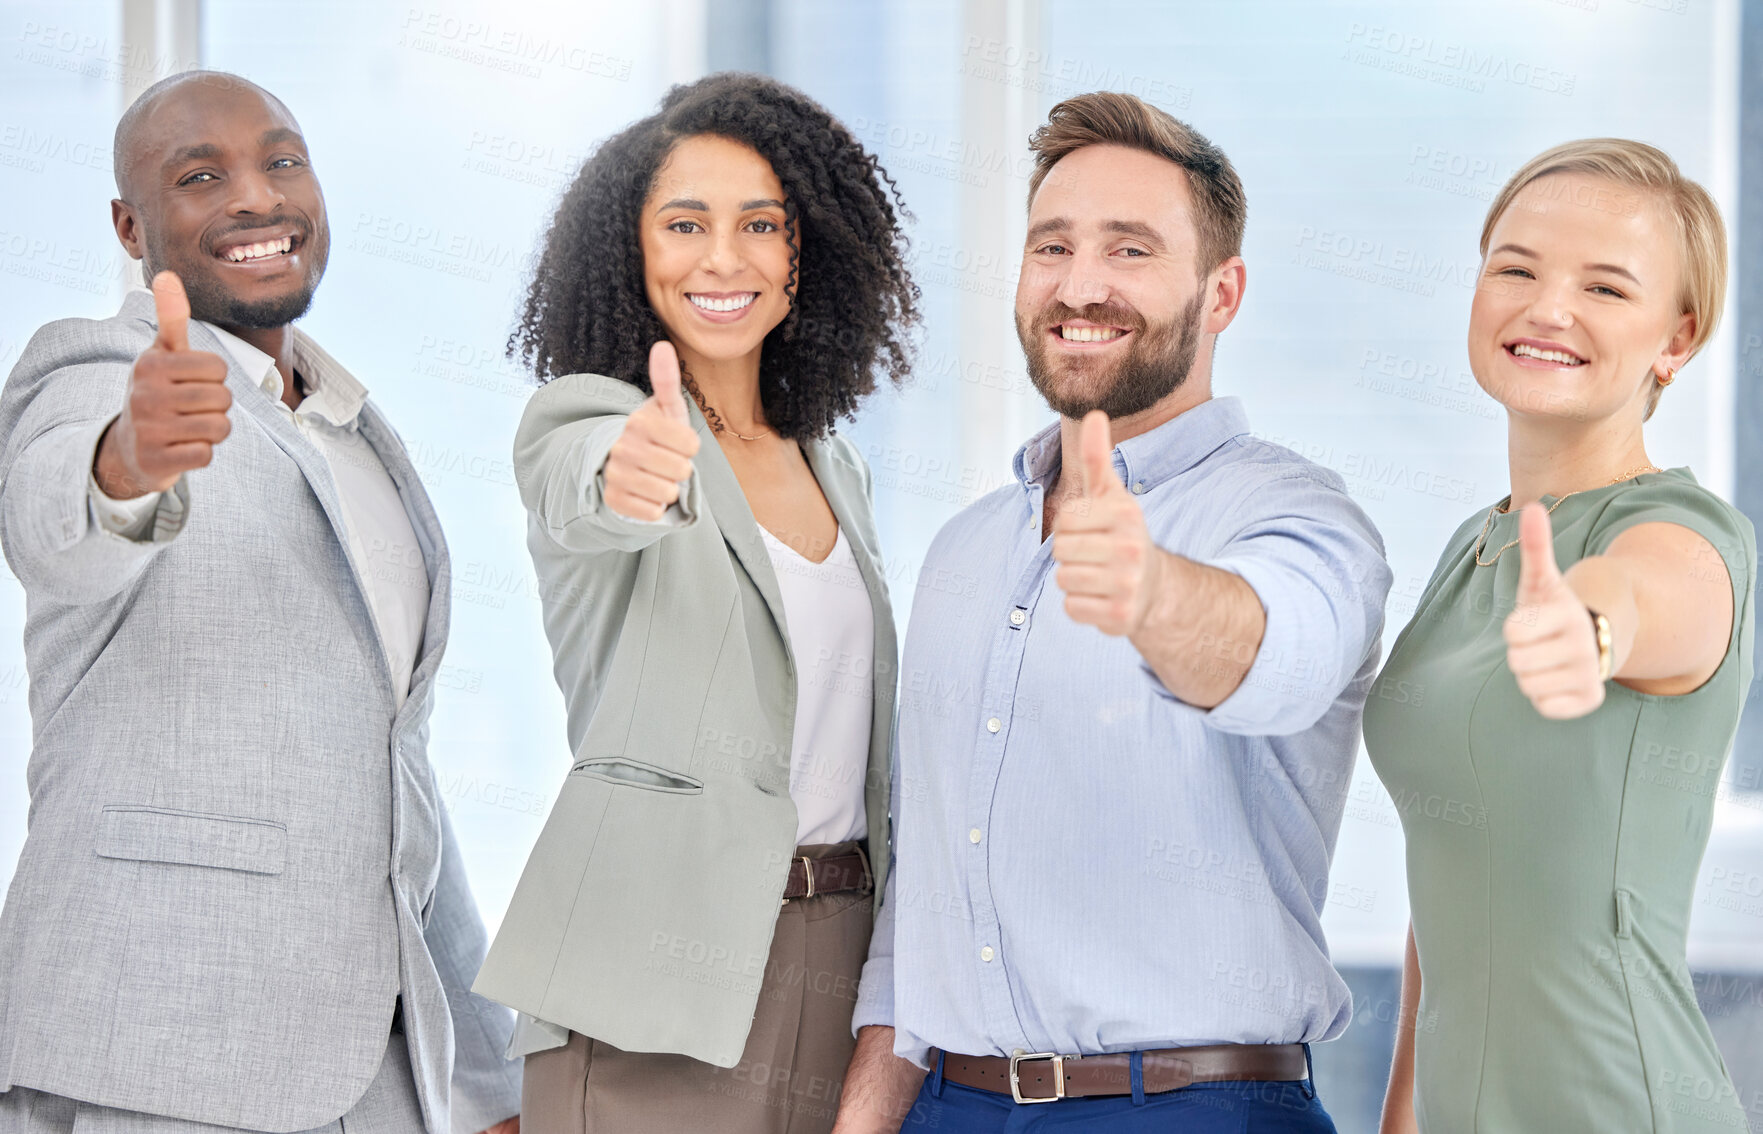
point(238, 857)
point(645, 913)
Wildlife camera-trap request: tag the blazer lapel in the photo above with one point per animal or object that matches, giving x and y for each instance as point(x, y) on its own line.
point(265, 410)
point(723, 495)
point(386, 443)
point(844, 491)
point(250, 396)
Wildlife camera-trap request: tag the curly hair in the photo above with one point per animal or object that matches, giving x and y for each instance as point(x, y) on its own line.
point(853, 305)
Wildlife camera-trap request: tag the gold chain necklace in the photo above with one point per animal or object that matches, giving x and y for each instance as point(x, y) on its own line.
point(1497, 509)
point(717, 425)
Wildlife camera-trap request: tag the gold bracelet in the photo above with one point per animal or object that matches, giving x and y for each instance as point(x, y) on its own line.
point(1606, 645)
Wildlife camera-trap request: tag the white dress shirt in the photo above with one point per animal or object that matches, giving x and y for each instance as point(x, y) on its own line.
point(832, 636)
point(382, 540)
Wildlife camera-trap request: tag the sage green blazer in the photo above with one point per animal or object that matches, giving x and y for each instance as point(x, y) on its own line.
point(645, 913)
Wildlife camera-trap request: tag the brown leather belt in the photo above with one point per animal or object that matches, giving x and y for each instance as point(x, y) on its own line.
point(812, 877)
point(1047, 1077)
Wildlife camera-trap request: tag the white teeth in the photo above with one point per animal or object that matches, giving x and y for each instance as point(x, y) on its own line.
point(1523, 350)
point(259, 250)
point(1089, 334)
point(735, 303)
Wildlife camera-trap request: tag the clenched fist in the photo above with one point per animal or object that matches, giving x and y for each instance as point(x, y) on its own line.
point(1551, 644)
point(176, 409)
point(654, 454)
point(1108, 566)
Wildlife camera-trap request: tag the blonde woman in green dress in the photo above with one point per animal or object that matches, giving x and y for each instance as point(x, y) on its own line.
point(1553, 721)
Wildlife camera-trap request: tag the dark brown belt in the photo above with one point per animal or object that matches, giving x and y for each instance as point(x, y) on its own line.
point(812, 877)
point(1048, 1078)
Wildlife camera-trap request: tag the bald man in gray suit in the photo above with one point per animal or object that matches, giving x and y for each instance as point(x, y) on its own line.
point(240, 903)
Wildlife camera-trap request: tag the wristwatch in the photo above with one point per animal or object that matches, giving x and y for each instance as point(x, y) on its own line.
point(1606, 649)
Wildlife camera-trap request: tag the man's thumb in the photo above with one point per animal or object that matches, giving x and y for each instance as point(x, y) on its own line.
point(664, 379)
point(1538, 573)
point(1095, 452)
point(173, 308)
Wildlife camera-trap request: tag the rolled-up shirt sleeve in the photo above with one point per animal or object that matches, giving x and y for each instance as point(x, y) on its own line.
point(875, 988)
point(1317, 564)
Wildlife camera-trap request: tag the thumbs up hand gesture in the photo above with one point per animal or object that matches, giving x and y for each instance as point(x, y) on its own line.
point(1551, 644)
point(654, 454)
point(1108, 566)
point(176, 409)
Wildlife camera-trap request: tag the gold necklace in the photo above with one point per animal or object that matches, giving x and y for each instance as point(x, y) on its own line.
point(717, 425)
point(1499, 509)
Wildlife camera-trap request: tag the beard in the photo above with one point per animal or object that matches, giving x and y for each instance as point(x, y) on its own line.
point(211, 302)
point(1156, 363)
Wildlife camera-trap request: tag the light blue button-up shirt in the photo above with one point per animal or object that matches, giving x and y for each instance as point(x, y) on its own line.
point(1084, 863)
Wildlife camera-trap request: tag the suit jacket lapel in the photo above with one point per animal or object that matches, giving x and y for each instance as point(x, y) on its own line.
point(267, 413)
point(844, 492)
point(265, 409)
point(726, 500)
point(385, 442)
point(723, 495)
point(250, 396)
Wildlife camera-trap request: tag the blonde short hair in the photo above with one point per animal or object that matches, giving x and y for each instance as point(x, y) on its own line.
point(1701, 234)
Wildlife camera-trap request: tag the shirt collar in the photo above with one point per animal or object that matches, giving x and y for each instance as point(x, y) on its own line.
point(332, 393)
point(1146, 461)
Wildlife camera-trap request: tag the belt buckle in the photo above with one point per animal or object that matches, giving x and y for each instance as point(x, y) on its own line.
point(1018, 1056)
point(807, 874)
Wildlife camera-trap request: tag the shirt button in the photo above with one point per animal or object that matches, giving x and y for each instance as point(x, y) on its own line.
point(974, 836)
point(994, 725)
point(986, 954)
point(1018, 617)
point(1138, 488)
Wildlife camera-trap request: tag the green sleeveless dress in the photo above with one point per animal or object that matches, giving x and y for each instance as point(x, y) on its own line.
point(1551, 864)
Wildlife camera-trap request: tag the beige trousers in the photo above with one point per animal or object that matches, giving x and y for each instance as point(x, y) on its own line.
point(790, 1073)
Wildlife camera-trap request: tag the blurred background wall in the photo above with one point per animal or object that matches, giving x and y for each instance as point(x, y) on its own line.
point(1370, 136)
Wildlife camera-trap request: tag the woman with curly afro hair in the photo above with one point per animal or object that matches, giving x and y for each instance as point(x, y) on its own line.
point(724, 281)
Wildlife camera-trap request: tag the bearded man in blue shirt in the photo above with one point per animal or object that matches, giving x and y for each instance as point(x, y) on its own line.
point(1121, 761)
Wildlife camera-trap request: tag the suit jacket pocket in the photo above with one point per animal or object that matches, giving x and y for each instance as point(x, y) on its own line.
point(626, 772)
point(192, 838)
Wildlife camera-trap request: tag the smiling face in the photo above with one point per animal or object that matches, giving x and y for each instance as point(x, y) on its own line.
point(219, 188)
point(1577, 308)
point(1109, 306)
point(716, 253)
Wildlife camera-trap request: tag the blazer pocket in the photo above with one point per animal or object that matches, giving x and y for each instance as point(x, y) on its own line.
point(192, 838)
point(626, 772)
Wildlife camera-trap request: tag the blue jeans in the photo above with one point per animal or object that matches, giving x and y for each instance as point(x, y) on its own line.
point(1200, 1108)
